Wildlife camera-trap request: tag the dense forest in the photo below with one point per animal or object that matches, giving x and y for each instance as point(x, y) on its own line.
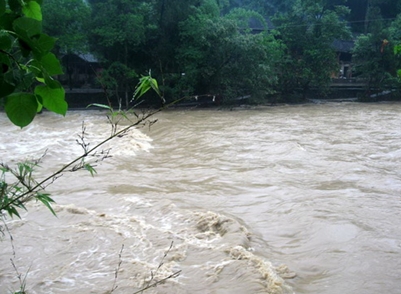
point(269, 50)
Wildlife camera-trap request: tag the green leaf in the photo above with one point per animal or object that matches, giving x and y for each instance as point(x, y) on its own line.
point(35, 68)
point(26, 80)
point(52, 83)
point(4, 169)
point(53, 99)
point(101, 106)
point(28, 31)
point(12, 211)
point(90, 169)
point(44, 43)
point(155, 86)
point(40, 80)
point(26, 27)
point(397, 49)
point(41, 45)
point(46, 200)
point(32, 9)
point(144, 85)
point(51, 64)
point(21, 108)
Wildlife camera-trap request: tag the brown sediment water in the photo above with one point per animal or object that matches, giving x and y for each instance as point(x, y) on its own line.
point(287, 199)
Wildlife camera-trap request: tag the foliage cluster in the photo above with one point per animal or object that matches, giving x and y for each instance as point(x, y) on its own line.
point(27, 65)
point(376, 56)
point(229, 48)
point(308, 30)
point(226, 48)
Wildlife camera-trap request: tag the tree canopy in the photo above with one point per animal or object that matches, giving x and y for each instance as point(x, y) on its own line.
point(308, 31)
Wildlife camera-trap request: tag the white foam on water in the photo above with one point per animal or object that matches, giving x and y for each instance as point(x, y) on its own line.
point(59, 139)
point(78, 252)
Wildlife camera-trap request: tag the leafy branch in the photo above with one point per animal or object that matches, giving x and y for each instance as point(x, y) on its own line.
point(14, 196)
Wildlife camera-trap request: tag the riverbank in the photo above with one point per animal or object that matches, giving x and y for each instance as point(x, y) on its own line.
point(81, 98)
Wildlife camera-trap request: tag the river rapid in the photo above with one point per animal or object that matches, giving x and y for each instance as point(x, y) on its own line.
point(287, 199)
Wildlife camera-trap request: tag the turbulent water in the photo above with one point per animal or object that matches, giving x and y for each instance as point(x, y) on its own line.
point(287, 199)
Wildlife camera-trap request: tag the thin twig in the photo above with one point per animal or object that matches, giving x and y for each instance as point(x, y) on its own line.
point(21, 280)
point(172, 276)
point(152, 275)
point(120, 261)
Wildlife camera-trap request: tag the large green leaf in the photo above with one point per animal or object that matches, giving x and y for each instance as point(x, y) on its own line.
point(47, 65)
point(21, 108)
point(52, 99)
point(26, 27)
point(32, 9)
point(44, 43)
point(41, 45)
point(51, 83)
point(51, 64)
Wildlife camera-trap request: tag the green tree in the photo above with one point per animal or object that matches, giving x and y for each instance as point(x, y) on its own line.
point(374, 59)
point(67, 20)
point(308, 32)
point(163, 42)
point(395, 39)
point(27, 65)
point(117, 30)
point(221, 55)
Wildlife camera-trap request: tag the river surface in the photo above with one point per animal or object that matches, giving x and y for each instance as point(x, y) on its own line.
point(287, 199)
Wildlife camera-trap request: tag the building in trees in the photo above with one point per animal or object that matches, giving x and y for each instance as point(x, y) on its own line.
point(80, 70)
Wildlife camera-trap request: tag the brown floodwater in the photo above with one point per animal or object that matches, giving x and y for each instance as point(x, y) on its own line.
point(287, 199)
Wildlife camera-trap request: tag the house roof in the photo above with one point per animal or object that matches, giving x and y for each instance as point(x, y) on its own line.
point(88, 57)
point(80, 57)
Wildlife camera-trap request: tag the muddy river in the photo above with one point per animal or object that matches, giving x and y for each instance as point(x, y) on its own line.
point(287, 199)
